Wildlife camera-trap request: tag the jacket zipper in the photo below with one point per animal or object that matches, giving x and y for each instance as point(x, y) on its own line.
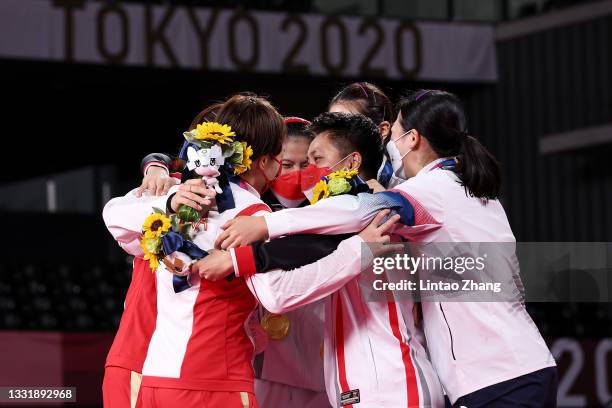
point(449, 332)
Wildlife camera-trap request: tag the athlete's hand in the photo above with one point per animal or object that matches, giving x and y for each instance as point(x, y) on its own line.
point(216, 266)
point(242, 231)
point(193, 193)
point(156, 181)
point(375, 185)
point(377, 231)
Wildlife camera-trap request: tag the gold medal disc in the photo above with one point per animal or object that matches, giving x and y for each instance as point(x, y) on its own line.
point(275, 325)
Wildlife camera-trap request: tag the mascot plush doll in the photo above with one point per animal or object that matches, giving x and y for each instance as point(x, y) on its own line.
point(206, 163)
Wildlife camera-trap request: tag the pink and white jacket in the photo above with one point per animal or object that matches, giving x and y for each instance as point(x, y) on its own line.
point(472, 345)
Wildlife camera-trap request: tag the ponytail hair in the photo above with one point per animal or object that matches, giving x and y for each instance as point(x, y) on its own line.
point(439, 117)
point(478, 170)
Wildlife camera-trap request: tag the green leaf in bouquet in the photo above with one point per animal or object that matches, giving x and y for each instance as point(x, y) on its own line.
point(188, 214)
point(202, 144)
point(158, 211)
point(206, 144)
point(153, 245)
point(189, 136)
point(238, 155)
point(228, 149)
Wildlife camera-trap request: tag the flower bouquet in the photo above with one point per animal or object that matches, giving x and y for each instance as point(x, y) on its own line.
point(337, 183)
point(168, 239)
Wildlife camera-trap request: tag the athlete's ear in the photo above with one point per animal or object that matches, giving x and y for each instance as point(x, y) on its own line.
point(355, 161)
point(262, 162)
point(413, 139)
point(384, 128)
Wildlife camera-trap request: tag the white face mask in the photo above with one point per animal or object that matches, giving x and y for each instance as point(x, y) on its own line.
point(396, 157)
point(340, 161)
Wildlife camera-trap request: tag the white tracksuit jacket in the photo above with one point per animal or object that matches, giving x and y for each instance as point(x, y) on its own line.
point(472, 345)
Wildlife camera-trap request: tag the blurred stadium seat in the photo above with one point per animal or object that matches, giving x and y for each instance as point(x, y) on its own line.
point(62, 296)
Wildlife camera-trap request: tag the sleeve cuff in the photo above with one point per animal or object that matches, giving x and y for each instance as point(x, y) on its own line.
point(155, 164)
point(244, 261)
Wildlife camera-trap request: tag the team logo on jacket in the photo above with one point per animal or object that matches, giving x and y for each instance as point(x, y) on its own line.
point(349, 398)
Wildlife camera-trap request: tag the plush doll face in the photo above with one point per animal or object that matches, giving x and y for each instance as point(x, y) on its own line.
point(205, 162)
point(214, 156)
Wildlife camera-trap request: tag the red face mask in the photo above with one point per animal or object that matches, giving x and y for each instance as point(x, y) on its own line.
point(269, 182)
point(311, 176)
point(288, 186)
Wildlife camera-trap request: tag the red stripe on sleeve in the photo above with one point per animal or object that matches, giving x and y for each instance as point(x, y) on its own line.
point(412, 388)
point(244, 255)
point(253, 209)
point(245, 261)
point(344, 387)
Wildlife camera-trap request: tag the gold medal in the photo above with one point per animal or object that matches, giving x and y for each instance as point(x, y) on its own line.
point(276, 326)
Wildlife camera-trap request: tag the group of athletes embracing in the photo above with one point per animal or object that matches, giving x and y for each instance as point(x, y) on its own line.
point(275, 315)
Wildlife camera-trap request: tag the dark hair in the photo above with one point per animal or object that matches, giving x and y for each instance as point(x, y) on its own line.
point(369, 99)
point(440, 117)
point(256, 122)
point(208, 114)
point(351, 133)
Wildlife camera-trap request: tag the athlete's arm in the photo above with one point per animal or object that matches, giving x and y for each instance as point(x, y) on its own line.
point(281, 291)
point(334, 215)
point(287, 253)
point(283, 253)
point(124, 216)
point(162, 160)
